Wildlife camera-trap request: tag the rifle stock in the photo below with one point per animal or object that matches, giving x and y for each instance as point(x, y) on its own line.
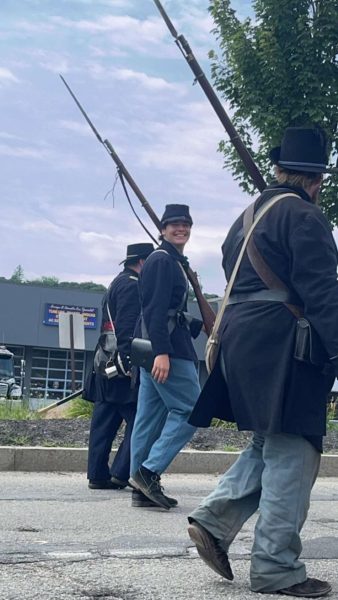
point(201, 78)
point(207, 313)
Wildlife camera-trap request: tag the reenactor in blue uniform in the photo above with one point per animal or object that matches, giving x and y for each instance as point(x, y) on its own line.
point(115, 398)
point(168, 394)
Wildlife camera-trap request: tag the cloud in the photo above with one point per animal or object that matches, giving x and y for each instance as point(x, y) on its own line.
point(189, 143)
point(24, 152)
point(6, 76)
point(206, 236)
point(42, 226)
point(31, 27)
point(124, 4)
point(55, 63)
point(101, 246)
point(9, 136)
point(146, 30)
point(75, 126)
point(148, 82)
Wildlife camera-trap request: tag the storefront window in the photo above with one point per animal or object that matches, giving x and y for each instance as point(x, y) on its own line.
point(51, 374)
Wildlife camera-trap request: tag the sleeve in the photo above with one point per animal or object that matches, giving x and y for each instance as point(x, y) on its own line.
point(156, 292)
point(127, 310)
point(314, 276)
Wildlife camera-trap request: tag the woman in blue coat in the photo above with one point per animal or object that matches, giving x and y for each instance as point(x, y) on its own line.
point(168, 394)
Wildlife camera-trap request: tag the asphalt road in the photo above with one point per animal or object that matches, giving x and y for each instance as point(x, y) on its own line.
point(61, 541)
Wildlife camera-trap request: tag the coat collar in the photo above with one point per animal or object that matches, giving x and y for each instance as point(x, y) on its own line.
point(168, 247)
point(297, 190)
point(130, 272)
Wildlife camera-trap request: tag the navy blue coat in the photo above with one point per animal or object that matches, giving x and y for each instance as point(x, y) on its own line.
point(267, 390)
point(124, 305)
point(162, 287)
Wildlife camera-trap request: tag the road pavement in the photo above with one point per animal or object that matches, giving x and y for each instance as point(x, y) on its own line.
point(62, 541)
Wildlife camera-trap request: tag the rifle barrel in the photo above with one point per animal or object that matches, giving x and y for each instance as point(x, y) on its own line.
point(166, 19)
point(201, 78)
point(45, 409)
point(207, 313)
point(91, 125)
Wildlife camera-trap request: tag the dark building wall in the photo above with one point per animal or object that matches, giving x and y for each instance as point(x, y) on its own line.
point(22, 314)
point(22, 310)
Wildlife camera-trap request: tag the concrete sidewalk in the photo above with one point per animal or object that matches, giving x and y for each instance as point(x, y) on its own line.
point(61, 541)
point(37, 459)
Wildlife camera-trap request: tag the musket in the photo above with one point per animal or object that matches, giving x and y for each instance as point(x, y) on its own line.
point(201, 78)
point(45, 409)
point(207, 313)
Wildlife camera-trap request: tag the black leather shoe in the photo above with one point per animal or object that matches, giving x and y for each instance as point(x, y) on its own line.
point(310, 588)
point(149, 483)
point(119, 482)
point(105, 484)
point(138, 499)
point(210, 550)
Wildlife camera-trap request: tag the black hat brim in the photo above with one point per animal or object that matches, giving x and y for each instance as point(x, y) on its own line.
point(274, 156)
point(134, 257)
point(183, 219)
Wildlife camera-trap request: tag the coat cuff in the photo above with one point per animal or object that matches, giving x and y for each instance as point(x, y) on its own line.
point(162, 348)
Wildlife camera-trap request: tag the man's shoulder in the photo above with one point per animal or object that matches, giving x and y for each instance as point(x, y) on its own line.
point(123, 280)
point(294, 204)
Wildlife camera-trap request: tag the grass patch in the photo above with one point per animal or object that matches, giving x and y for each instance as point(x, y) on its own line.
point(219, 424)
point(19, 440)
point(11, 412)
point(79, 409)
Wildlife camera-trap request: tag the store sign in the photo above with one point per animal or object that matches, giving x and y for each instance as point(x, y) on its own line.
point(52, 311)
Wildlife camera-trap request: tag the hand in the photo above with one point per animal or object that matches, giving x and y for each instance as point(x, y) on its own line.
point(161, 366)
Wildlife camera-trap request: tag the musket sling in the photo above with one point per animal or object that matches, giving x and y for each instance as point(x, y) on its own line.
point(214, 341)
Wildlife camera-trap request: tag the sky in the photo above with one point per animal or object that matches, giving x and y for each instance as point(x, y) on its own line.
point(58, 217)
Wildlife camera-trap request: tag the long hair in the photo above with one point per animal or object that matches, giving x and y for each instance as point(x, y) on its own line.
point(296, 178)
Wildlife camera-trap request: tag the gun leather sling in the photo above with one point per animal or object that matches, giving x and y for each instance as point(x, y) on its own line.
point(277, 291)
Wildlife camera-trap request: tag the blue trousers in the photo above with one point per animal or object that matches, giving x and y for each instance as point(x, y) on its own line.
point(106, 420)
point(161, 426)
point(275, 474)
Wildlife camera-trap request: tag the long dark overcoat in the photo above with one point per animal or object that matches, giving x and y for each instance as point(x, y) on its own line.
point(267, 390)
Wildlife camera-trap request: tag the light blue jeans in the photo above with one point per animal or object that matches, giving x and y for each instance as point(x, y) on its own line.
point(275, 473)
point(161, 427)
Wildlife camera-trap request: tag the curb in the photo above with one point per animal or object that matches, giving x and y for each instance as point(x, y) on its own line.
point(74, 460)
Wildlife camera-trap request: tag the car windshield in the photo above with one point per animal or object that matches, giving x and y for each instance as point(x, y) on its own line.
point(6, 367)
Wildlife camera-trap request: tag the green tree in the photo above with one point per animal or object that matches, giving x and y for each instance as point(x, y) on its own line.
point(278, 70)
point(49, 280)
point(18, 275)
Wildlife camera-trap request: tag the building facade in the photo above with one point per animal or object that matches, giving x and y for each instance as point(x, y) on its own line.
point(29, 328)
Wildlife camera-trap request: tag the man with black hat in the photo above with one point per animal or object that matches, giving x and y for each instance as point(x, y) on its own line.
point(115, 398)
point(168, 394)
point(276, 365)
